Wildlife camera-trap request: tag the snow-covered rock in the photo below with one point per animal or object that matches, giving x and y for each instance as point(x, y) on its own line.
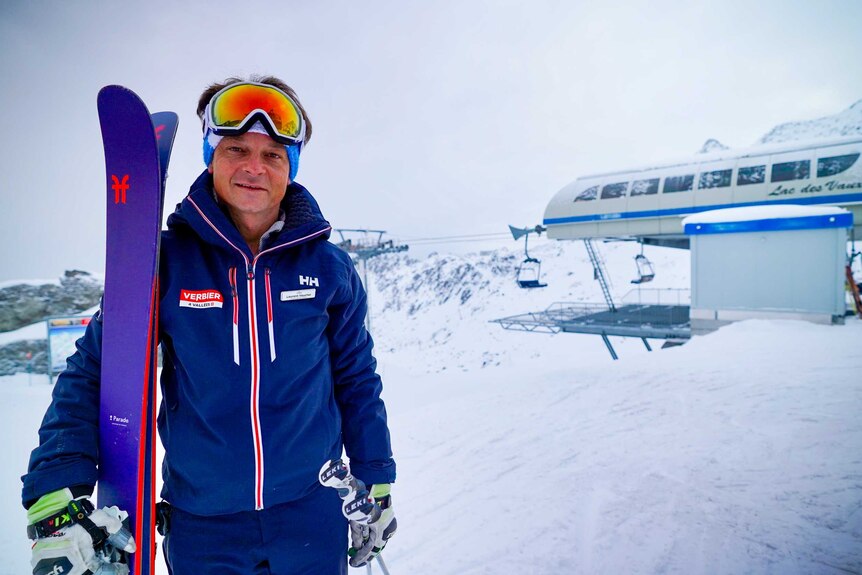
point(25, 302)
point(712, 145)
point(845, 123)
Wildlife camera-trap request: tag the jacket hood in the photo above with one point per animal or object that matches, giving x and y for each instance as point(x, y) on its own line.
point(200, 212)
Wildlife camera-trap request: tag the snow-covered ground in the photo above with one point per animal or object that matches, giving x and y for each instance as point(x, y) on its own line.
point(740, 452)
point(38, 330)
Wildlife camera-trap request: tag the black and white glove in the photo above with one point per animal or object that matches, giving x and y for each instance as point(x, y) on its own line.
point(369, 534)
point(73, 538)
point(370, 514)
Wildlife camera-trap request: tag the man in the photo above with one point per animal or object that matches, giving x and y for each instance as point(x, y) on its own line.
point(258, 392)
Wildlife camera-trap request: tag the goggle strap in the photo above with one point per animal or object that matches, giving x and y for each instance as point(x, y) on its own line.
point(249, 121)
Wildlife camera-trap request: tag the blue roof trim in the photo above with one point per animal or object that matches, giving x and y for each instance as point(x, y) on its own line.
point(772, 225)
point(688, 210)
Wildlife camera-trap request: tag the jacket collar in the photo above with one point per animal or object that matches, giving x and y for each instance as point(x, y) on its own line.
point(201, 213)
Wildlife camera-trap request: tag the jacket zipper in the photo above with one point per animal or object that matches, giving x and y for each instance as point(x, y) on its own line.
point(255, 348)
point(269, 318)
point(234, 293)
point(254, 401)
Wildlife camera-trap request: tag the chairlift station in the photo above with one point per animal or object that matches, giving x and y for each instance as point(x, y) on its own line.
point(767, 227)
point(768, 262)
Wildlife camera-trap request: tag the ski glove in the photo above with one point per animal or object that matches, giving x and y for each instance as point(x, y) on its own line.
point(368, 535)
point(370, 515)
point(73, 538)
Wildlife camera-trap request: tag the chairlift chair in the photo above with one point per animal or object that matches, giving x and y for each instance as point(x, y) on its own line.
point(530, 270)
point(529, 273)
point(646, 273)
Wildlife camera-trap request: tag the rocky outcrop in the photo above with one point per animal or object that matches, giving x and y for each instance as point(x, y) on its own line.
point(712, 145)
point(24, 355)
point(25, 304)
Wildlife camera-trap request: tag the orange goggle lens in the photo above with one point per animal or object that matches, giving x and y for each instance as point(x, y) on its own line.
point(235, 105)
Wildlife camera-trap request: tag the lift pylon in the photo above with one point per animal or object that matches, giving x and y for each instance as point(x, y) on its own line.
point(362, 245)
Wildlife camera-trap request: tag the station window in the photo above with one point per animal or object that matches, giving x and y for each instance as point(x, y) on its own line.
point(835, 165)
point(645, 187)
point(716, 179)
point(588, 194)
point(787, 171)
point(678, 184)
point(751, 175)
point(614, 190)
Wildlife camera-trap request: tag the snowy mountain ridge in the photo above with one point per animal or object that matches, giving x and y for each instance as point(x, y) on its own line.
point(436, 311)
point(712, 145)
point(845, 123)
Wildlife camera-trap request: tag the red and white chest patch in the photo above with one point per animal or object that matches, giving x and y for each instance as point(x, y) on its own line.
point(201, 298)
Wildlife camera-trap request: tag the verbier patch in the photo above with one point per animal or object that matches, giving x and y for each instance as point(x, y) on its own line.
point(201, 298)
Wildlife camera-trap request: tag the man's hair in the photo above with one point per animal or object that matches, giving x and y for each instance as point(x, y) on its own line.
point(212, 89)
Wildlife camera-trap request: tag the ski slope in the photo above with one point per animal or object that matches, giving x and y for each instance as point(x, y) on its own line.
point(740, 452)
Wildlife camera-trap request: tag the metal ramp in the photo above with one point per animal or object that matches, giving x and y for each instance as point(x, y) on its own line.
point(667, 320)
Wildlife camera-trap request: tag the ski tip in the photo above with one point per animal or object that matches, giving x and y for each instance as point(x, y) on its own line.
point(113, 89)
point(166, 115)
point(114, 93)
point(169, 119)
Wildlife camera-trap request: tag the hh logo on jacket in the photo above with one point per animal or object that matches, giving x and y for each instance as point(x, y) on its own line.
point(201, 298)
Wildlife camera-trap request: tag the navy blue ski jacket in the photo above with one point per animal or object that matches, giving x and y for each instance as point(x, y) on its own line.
point(267, 368)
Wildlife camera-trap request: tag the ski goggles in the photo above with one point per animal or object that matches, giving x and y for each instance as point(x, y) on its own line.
point(235, 108)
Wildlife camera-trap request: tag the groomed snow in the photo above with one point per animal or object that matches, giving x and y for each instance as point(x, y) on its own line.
point(736, 453)
point(740, 452)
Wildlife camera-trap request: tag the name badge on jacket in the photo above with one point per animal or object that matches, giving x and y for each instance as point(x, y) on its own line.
point(298, 294)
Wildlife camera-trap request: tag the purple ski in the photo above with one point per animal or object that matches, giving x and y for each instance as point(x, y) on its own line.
point(129, 341)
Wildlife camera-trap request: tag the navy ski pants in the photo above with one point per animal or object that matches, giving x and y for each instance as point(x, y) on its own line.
point(304, 537)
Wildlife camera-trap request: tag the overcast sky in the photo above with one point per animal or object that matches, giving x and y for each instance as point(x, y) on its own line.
point(430, 118)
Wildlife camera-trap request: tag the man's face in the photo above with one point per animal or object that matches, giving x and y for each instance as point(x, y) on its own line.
point(250, 174)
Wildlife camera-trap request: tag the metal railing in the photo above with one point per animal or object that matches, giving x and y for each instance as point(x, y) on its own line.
point(658, 296)
point(630, 319)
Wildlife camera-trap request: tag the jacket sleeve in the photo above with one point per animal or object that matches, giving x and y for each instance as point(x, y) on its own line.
point(357, 386)
point(68, 449)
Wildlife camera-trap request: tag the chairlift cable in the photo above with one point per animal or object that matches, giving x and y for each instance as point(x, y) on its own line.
point(455, 237)
point(429, 243)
